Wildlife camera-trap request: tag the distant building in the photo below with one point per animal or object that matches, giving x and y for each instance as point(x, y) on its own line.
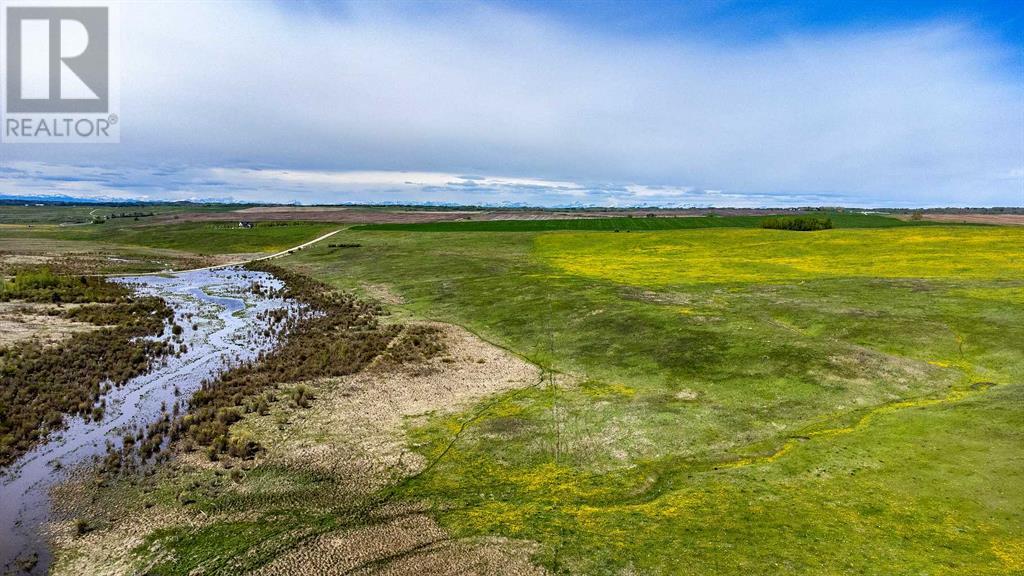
point(245, 224)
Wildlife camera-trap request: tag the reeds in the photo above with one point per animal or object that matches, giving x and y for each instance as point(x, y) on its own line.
point(39, 385)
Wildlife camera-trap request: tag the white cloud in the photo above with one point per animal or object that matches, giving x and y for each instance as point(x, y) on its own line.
point(374, 187)
point(922, 115)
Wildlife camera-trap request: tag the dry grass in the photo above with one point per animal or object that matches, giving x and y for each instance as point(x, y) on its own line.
point(355, 427)
point(383, 294)
point(238, 258)
point(80, 257)
point(406, 544)
point(21, 321)
point(17, 260)
point(106, 551)
point(353, 431)
point(998, 219)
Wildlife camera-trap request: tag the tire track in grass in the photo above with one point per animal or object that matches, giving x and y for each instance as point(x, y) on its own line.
point(956, 394)
point(953, 396)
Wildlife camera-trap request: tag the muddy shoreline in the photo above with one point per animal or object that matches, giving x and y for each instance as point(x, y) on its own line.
point(223, 322)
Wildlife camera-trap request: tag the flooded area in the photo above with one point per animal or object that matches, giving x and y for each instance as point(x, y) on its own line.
point(223, 322)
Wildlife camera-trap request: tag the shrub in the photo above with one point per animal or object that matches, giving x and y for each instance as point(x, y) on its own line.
point(40, 385)
point(798, 223)
point(336, 334)
point(242, 445)
point(44, 285)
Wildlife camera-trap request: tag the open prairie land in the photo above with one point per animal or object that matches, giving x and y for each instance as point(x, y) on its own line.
point(728, 400)
point(129, 246)
point(637, 396)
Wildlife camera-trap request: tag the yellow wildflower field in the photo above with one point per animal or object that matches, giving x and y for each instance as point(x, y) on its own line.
point(680, 257)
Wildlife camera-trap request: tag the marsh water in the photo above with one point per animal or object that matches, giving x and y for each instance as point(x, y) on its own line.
point(223, 324)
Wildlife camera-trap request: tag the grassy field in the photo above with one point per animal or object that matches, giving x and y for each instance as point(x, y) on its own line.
point(839, 219)
point(199, 238)
point(770, 256)
point(728, 400)
point(714, 401)
point(124, 245)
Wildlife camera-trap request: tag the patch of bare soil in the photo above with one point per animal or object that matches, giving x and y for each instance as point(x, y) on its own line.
point(665, 298)
point(20, 321)
point(382, 293)
point(24, 259)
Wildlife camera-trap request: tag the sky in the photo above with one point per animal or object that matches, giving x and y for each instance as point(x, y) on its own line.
point(870, 104)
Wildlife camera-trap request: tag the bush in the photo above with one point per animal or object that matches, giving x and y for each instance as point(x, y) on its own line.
point(242, 445)
point(798, 223)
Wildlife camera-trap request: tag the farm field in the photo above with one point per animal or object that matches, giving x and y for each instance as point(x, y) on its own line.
point(28, 213)
point(631, 223)
point(998, 219)
point(166, 237)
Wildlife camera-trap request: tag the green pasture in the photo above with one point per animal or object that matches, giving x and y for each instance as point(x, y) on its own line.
point(206, 238)
point(727, 401)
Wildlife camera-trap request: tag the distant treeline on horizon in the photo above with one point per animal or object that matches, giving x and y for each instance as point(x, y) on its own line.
point(40, 201)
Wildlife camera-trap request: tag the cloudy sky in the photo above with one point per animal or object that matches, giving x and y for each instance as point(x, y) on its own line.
point(689, 104)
